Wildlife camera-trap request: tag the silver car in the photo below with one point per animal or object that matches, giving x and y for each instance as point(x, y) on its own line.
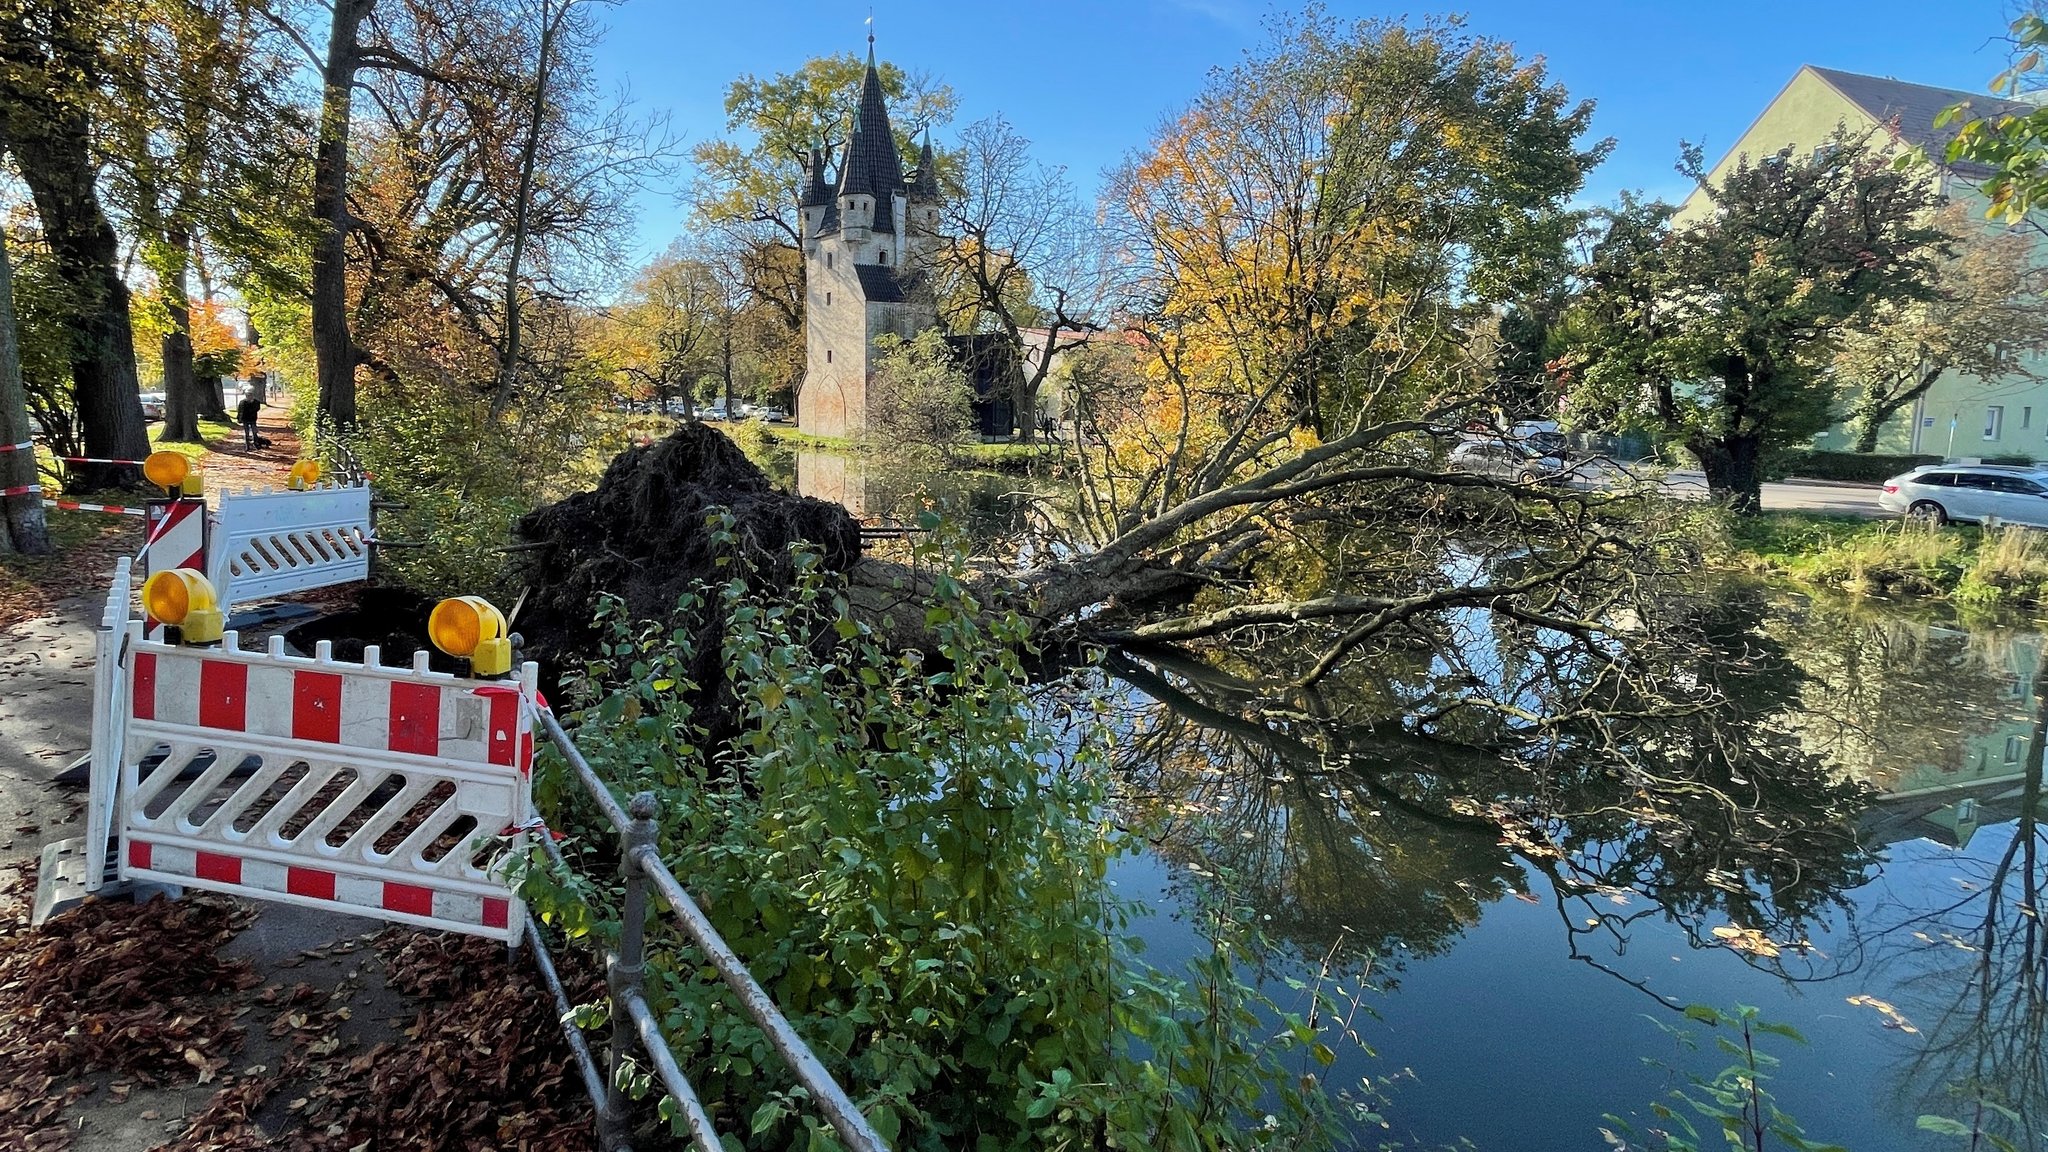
point(1970, 492)
point(1504, 460)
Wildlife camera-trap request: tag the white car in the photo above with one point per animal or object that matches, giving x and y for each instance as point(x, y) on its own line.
point(1970, 492)
point(1504, 460)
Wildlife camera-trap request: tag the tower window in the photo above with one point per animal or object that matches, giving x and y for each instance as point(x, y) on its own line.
point(885, 257)
point(828, 355)
point(828, 259)
point(828, 298)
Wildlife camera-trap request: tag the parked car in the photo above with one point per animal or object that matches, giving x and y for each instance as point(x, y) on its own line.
point(152, 406)
point(1970, 492)
point(771, 414)
point(715, 410)
point(1504, 460)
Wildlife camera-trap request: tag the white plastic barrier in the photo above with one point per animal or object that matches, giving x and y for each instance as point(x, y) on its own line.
point(109, 726)
point(351, 787)
point(270, 542)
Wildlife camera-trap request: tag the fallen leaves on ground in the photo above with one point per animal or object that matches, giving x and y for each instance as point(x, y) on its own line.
point(482, 1065)
point(110, 986)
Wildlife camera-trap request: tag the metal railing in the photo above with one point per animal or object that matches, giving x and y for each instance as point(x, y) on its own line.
point(632, 1021)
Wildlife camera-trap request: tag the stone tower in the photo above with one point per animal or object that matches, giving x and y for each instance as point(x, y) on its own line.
point(866, 238)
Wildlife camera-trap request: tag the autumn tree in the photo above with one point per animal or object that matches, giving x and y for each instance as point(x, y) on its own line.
point(1021, 256)
point(672, 325)
point(52, 71)
point(197, 142)
point(1305, 245)
point(1986, 320)
point(1720, 331)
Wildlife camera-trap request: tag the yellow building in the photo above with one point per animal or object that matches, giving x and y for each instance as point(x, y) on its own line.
point(1960, 416)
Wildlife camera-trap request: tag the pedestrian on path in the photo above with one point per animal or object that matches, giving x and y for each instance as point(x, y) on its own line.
point(246, 412)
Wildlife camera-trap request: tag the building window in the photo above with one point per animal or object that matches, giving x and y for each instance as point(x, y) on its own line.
point(828, 298)
point(828, 259)
point(2014, 745)
point(828, 355)
point(885, 257)
point(1994, 421)
point(2027, 416)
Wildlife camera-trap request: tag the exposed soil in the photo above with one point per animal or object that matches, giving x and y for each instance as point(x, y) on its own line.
point(642, 536)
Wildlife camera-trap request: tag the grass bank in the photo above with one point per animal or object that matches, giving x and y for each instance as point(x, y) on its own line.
point(2006, 567)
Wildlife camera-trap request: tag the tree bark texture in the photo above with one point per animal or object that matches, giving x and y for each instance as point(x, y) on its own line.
point(334, 350)
point(51, 138)
point(182, 399)
point(1734, 468)
point(22, 528)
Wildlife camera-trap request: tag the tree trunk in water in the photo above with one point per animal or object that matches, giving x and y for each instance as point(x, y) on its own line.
point(1734, 468)
point(334, 350)
point(22, 528)
point(57, 165)
point(181, 387)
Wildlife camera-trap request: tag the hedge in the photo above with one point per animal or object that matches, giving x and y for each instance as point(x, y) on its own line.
point(1853, 467)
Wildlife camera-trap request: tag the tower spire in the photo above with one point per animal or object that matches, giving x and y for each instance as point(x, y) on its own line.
point(871, 38)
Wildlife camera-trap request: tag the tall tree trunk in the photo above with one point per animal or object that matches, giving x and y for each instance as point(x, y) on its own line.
point(508, 363)
point(181, 387)
point(213, 404)
point(22, 528)
point(334, 350)
point(57, 166)
point(1734, 468)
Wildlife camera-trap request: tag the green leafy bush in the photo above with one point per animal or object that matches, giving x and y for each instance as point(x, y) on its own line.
point(910, 852)
point(1848, 467)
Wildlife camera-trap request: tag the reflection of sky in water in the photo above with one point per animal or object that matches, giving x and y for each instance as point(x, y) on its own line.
point(1508, 1040)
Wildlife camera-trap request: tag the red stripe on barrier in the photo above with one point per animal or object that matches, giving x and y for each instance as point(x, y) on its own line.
point(309, 882)
point(415, 724)
point(144, 704)
point(223, 695)
point(21, 490)
point(316, 706)
point(138, 854)
point(216, 867)
point(408, 898)
point(497, 912)
point(526, 752)
point(502, 744)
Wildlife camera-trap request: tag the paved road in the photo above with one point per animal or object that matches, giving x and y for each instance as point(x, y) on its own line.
point(1799, 495)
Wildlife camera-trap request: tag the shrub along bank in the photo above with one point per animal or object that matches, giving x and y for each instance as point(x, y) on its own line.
point(2005, 567)
point(1847, 467)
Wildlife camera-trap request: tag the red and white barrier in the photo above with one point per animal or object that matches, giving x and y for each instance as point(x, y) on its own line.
point(354, 787)
point(81, 506)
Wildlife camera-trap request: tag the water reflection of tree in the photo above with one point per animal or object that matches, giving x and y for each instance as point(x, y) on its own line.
point(1978, 982)
point(1377, 809)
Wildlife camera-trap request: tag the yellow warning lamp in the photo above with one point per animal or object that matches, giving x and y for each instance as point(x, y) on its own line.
point(183, 597)
point(172, 472)
point(305, 474)
point(469, 626)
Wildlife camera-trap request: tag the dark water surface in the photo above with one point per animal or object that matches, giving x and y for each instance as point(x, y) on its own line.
point(1516, 1010)
point(1519, 997)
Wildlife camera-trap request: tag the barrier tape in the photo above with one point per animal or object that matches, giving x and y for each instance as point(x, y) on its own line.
point(21, 490)
point(24, 446)
point(76, 506)
point(97, 460)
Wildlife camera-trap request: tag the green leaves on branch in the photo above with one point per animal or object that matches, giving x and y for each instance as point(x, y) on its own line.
point(910, 852)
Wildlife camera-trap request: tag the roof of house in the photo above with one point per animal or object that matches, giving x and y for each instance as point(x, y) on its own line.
point(1909, 110)
point(881, 284)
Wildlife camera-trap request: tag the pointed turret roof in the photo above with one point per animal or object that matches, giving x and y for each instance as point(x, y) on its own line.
point(926, 185)
point(871, 165)
point(816, 191)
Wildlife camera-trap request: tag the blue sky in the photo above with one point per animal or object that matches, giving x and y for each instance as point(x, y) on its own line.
point(1087, 82)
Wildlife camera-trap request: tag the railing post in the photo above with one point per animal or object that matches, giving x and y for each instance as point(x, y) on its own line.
point(627, 968)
